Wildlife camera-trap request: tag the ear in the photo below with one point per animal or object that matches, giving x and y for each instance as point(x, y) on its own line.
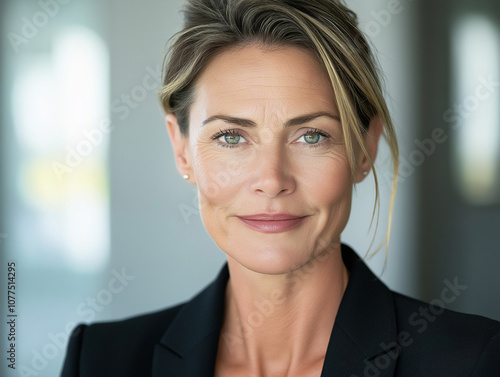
point(372, 137)
point(180, 144)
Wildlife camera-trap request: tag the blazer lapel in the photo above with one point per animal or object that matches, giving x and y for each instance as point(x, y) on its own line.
point(189, 346)
point(363, 341)
point(364, 337)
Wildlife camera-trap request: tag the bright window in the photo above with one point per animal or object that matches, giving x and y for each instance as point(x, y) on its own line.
point(476, 95)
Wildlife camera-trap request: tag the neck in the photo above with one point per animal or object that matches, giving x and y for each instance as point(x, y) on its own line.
point(282, 321)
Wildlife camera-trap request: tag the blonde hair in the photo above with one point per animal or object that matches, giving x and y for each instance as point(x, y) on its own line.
point(326, 28)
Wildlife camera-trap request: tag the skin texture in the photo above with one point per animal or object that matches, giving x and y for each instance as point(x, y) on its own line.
point(297, 276)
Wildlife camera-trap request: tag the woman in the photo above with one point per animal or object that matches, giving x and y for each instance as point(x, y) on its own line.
point(275, 110)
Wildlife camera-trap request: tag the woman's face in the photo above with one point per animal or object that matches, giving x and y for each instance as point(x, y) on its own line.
point(265, 139)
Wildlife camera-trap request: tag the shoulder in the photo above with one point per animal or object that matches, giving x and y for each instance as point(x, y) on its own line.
point(434, 338)
point(128, 347)
point(128, 344)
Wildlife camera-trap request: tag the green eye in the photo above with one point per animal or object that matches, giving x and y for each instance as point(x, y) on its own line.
point(232, 139)
point(312, 138)
point(229, 139)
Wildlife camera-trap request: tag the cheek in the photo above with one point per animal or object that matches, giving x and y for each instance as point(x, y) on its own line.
point(330, 193)
point(219, 179)
point(328, 181)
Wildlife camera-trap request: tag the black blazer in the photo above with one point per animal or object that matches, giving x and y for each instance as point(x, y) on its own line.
point(376, 333)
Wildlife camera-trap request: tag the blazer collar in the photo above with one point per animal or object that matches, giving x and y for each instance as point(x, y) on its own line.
point(364, 337)
point(363, 341)
point(189, 346)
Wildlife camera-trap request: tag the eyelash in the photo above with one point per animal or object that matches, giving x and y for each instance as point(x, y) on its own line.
point(224, 133)
point(319, 132)
point(238, 133)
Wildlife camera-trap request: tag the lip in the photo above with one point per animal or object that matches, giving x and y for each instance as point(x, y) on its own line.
point(275, 223)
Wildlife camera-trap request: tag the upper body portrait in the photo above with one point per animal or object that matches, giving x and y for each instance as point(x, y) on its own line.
point(275, 112)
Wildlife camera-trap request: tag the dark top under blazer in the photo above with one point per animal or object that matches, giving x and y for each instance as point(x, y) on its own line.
point(371, 320)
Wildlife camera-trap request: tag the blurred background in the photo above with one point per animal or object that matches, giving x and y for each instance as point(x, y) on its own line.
point(101, 226)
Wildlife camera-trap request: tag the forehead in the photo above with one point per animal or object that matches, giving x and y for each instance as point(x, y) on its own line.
point(254, 76)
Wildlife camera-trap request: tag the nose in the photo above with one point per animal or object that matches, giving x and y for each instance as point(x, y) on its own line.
point(272, 173)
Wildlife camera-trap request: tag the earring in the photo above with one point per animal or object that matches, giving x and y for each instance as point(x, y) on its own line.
point(365, 173)
point(185, 176)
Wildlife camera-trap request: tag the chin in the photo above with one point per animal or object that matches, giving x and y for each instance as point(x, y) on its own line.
point(270, 260)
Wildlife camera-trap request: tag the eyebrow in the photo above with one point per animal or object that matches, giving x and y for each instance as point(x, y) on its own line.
point(242, 122)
